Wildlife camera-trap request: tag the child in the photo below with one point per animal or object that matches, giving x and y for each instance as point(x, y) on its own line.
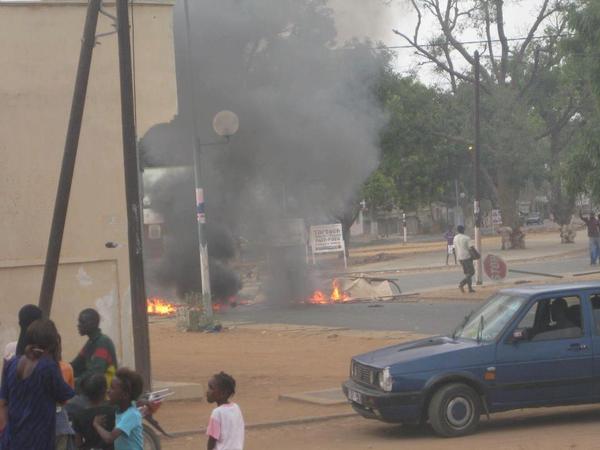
point(226, 425)
point(125, 389)
point(84, 407)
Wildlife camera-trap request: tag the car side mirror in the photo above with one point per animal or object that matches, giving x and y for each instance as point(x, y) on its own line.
point(520, 334)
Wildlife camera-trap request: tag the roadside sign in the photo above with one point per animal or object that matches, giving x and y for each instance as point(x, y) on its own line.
point(494, 267)
point(326, 239)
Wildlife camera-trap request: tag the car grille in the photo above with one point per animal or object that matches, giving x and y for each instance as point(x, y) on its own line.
point(364, 374)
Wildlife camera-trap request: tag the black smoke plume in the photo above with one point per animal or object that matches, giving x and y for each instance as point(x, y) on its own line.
point(308, 138)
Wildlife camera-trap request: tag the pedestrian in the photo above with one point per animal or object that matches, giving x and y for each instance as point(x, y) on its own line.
point(462, 244)
point(84, 407)
point(64, 432)
point(126, 387)
point(27, 315)
point(98, 354)
point(32, 385)
point(225, 429)
point(449, 236)
point(593, 232)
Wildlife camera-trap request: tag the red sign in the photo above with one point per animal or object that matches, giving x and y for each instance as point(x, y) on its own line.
point(494, 267)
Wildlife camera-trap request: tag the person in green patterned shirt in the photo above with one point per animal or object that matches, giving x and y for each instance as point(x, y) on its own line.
point(98, 354)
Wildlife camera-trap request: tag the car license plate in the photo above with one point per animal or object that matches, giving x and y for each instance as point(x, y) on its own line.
point(354, 396)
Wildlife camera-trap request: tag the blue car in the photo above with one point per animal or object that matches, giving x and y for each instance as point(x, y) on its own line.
point(525, 347)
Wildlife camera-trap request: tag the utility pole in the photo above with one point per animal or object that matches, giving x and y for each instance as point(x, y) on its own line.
point(476, 202)
point(198, 179)
point(141, 341)
point(63, 191)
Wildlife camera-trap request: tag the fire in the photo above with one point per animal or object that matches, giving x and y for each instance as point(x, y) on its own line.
point(318, 298)
point(337, 295)
point(160, 307)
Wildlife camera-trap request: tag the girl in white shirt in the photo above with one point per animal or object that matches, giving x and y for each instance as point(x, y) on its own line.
point(225, 429)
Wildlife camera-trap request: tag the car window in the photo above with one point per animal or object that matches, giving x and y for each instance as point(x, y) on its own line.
point(595, 302)
point(553, 318)
point(491, 318)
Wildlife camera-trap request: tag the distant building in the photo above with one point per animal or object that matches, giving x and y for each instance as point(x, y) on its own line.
point(41, 41)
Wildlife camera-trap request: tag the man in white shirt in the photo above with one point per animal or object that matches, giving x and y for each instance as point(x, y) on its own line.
point(462, 242)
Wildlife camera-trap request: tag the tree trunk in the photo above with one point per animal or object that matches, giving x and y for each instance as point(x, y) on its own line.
point(562, 204)
point(508, 195)
point(346, 225)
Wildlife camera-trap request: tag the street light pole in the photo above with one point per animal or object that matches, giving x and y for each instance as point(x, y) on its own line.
point(476, 202)
point(198, 180)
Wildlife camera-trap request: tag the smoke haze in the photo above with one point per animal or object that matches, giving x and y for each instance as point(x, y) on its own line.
point(308, 138)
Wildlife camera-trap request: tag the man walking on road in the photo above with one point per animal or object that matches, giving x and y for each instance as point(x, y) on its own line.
point(593, 231)
point(462, 242)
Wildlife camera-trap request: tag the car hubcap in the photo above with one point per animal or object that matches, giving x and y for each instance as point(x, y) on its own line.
point(459, 412)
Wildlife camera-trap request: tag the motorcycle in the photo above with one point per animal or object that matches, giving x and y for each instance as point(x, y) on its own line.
point(148, 405)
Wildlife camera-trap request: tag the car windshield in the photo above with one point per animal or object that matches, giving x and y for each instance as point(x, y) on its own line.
point(487, 322)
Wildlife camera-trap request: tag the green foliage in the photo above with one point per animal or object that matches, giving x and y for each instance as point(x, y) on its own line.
point(417, 158)
point(581, 166)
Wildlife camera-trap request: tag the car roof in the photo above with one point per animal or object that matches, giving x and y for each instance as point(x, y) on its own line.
point(531, 290)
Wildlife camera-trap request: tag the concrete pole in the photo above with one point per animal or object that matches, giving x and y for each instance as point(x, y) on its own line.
point(198, 179)
point(63, 191)
point(476, 203)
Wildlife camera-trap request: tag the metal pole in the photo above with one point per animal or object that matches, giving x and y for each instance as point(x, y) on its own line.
point(405, 229)
point(141, 341)
point(476, 203)
point(200, 197)
point(63, 191)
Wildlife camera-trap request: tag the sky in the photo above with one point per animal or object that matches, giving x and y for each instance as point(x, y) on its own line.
point(376, 19)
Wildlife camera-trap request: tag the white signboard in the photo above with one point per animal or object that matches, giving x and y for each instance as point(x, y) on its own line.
point(326, 239)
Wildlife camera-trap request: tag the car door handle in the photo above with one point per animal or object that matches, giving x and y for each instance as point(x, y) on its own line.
point(577, 347)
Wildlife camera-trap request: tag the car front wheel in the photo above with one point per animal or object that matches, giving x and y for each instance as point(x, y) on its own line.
point(454, 410)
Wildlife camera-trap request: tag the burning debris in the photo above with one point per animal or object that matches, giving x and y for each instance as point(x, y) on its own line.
point(160, 307)
point(337, 295)
point(357, 289)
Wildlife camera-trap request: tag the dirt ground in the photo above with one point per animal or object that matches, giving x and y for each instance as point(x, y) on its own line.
point(266, 361)
point(547, 429)
point(270, 360)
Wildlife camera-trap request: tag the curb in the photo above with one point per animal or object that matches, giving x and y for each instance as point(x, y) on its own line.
point(273, 424)
point(450, 267)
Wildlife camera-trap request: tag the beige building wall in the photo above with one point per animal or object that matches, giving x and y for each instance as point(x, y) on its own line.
point(39, 50)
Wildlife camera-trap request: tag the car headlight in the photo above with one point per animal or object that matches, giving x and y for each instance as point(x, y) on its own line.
point(385, 380)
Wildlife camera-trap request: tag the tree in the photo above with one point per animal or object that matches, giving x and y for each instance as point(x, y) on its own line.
point(581, 167)
point(417, 158)
point(510, 126)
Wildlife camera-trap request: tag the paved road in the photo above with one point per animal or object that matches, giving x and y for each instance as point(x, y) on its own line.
point(429, 317)
point(422, 317)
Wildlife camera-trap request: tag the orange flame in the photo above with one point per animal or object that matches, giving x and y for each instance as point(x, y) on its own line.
point(337, 295)
point(318, 298)
point(160, 307)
